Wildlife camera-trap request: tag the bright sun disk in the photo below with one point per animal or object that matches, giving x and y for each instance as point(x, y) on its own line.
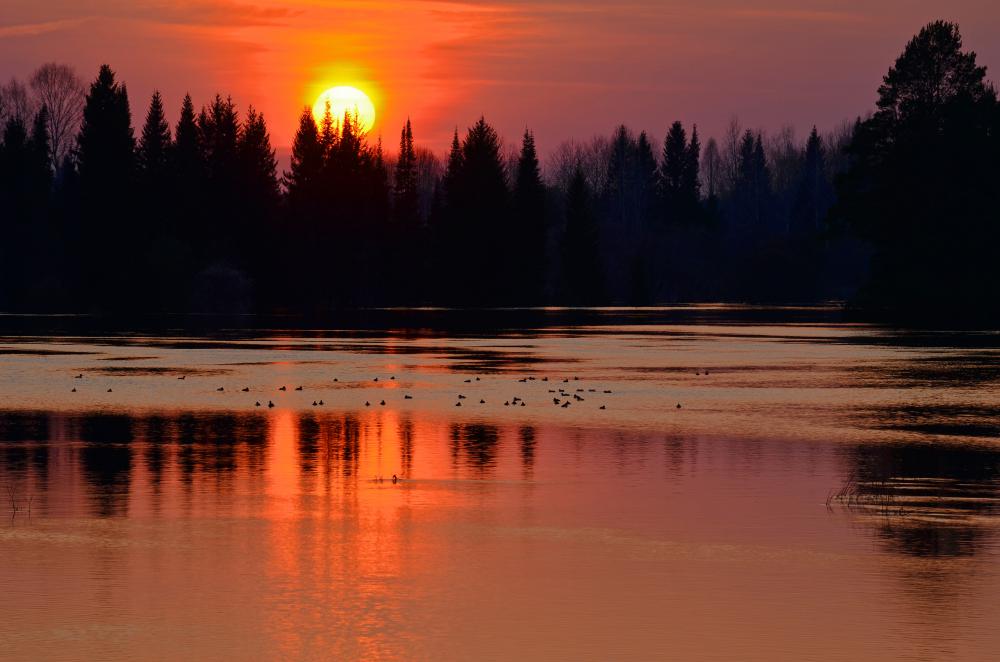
point(346, 99)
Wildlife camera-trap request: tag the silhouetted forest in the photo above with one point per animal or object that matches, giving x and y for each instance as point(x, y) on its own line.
point(896, 212)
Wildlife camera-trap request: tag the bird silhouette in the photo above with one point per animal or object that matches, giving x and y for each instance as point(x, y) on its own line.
point(298, 388)
point(270, 404)
point(246, 389)
point(282, 389)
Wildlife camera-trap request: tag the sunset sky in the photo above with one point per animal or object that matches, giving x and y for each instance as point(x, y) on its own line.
point(566, 68)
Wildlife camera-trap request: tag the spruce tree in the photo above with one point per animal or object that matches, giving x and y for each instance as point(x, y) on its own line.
point(528, 268)
point(154, 145)
point(582, 274)
point(405, 194)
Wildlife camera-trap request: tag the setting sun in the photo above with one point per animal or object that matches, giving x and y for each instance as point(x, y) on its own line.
point(346, 99)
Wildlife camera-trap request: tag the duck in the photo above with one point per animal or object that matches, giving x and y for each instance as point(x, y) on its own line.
point(109, 390)
point(73, 391)
point(382, 403)
point(80, 376)
point(368, 404)
point(555, 401)
point(221, 389)
point(257, 404)
point(565, 404)
point(394, 479)
point(407, 397)
point(522, 403)
point(477, 379)
point(320, 403)
point(270, 405)
point(246, 389)
point(603, 407)
point(314, 403)
point(282, 389)
point(458, 404)
point(678, 405)
point(181, 377)
point(298, 388)
point(461, 397)
point(376, 379)
point(335, 379)
point(468, 381)
point(393, 378)
point(482, 402)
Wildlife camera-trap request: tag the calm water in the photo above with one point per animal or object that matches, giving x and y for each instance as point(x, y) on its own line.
point(824, 491)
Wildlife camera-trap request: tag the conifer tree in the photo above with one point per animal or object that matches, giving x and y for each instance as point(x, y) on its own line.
point(582, 277)
point(405, 194)
point(528, 267)
point(154, 145)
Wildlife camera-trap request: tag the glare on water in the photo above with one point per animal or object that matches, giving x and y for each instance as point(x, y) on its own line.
point(728, 490)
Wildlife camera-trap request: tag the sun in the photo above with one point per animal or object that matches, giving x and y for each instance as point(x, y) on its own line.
point(346, 99)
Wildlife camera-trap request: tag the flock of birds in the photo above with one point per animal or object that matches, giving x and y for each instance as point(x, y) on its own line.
point(561, 396)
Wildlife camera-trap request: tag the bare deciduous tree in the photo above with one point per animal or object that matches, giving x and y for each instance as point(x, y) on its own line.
point(16, 103)
point(61, 91)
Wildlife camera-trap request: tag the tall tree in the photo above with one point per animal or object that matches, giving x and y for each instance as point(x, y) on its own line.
point(106, 155)
point(922, 182)
point(528, 265)
point(61, 91)
point(405, 194)
point(582, 273)
point(154, 144)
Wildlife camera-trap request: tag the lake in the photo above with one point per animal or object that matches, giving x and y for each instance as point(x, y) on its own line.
point(695, 483)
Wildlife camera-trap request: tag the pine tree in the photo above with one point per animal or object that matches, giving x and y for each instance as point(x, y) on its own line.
point(154, 145)
point(106, 144)
point(674, 169)
point(582, 279)
point(405, 194)
point(814, 195)
point(530, 219)
point(304, 178)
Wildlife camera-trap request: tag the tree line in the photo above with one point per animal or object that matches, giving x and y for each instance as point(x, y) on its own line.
point(894, 212)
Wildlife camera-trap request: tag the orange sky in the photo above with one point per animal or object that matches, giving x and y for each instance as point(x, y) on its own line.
point(567, 68)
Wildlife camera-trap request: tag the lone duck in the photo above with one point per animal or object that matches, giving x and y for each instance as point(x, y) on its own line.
point(376, 379)
point(220, 389)
point(407, 397)
point(246, 389)
point(482, 402)
point(73, 391)
point(109, 390)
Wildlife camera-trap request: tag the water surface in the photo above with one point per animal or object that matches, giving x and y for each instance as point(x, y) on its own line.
point(823, 491)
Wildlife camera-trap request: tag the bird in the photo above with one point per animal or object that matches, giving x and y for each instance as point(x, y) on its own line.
point(522, 403)
point(461, 397)
point(577, 398)
point(468, 381)
point(246, 389)
point(565, 404)
point(393, 377)
point(506, 404)
point(270, 404)
point(545, 379)
point(220, 389)
point(603, 407)
point(314, 403)
point(257, 404)
point(320, 403)
point(298, 388)
point(368, 404)
point(678, 405)
point(477, 379)
point(109, 390)
point(334, 379)
point(376, 379)
point(407, 397)
point(382, 403)
point(458, 404)
point(282, 389)
point(394, 479)
point(555, 401)
point(74, 391)
point(80, 376)
point(607, 391)
point(482, 402)
point(181, 377)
